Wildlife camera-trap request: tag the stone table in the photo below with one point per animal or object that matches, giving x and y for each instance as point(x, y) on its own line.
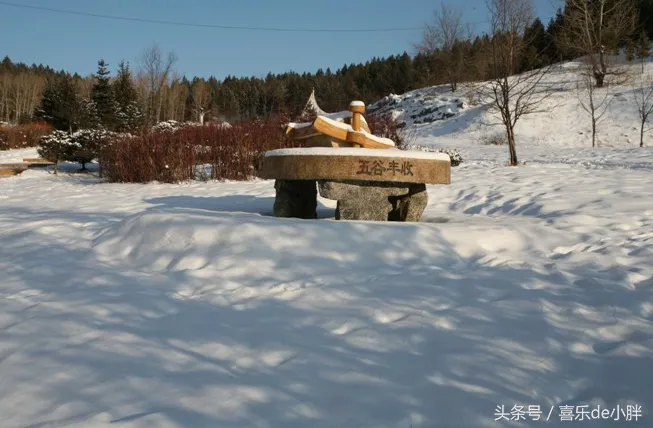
point(369, 184)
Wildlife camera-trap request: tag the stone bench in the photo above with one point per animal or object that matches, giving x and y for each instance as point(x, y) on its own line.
point(368, 184)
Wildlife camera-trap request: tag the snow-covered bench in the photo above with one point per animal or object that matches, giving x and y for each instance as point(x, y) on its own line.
point(16, 168)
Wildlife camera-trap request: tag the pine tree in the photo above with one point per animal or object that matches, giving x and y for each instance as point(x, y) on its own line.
point(89, 117)
point(129, 116)
point(645, 16)
point(46, 110)
point(102, 96)
point(61, 106)
point(643, 48)
point(534, 55)
point(630, 50)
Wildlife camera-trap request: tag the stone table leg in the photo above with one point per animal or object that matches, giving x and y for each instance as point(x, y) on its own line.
point(375, 201)
point(295, 198)
point(409, 208)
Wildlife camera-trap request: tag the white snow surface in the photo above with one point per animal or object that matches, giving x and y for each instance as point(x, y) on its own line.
point(560, 122)
point(16, 156)
point(128, 305)
point(348, 151)
point(189, 305)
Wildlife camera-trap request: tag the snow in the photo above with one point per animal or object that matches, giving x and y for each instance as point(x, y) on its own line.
point(560, 124)
point(423, 106)
point(17, 155)
point(299, 125)
point(357, 104)
point(347, 151)
point(189, 305)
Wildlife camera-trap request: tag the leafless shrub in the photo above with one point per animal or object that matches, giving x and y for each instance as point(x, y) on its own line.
point(643, 96)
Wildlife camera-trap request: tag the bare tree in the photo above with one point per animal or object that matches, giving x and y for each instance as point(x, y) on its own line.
point(157, 70)
point(442, 38)
point(594, 28)
point(643, 96)
point(175, 96)
point(200, 96)
point(512, 96)
point(595, 101)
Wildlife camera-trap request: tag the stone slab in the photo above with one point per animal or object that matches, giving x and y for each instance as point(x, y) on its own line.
point(387, 167)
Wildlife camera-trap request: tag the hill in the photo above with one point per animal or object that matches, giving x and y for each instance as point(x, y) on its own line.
point(434, 116)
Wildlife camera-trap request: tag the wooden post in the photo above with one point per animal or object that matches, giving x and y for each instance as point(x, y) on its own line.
point(357, 108)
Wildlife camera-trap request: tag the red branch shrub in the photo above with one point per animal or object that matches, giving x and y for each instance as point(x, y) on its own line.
point(22, 136)
point(193, 152)
point(385, 126)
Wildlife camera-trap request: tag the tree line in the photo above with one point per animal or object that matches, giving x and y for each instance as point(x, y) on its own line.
point(126, 98)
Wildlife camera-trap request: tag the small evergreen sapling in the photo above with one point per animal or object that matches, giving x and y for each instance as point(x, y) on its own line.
point(87, 145)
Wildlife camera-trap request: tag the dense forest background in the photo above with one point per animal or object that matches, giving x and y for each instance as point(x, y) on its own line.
point(126, 97)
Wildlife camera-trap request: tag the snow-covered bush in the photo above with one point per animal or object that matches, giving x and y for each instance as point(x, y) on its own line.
point(55, 147)
point(495, 139)
point(172, 126)
point(456, 158)
point(167, 126)
point(82, 146)
point(87, 144)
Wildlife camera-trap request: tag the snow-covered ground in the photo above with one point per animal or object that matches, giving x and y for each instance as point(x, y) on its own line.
point(125, 305)
point(17, 156)
point(189, 305)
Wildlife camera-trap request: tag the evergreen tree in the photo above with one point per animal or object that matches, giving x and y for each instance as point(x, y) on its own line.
point(129, 115)
point(46, 110)
point(646, 16)
point(537, 44)
point(89, 117)
point(102, 96)
point(61, 106)
point(630, 50)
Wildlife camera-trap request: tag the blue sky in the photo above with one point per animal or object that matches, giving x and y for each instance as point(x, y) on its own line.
point(75, 43)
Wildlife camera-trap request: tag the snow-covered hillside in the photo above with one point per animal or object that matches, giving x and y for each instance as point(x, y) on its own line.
point(421, 106)
point(525, 294)
point(437, 117)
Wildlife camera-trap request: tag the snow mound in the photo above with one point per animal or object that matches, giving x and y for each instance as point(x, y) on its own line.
point(216, 241)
